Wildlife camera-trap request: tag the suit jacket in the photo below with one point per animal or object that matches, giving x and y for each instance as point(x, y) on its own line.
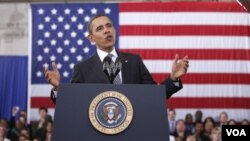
point(133, 72)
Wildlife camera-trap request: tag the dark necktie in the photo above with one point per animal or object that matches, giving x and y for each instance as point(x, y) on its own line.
point(117, 79)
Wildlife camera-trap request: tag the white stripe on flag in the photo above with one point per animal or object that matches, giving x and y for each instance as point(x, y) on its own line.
point(182, 42)
point(201, 66)
point(183, 18)
point(214, 90)
point(41, 90)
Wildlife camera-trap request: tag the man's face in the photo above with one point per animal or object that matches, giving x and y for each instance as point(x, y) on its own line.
point(171, 115)
point(103, 33)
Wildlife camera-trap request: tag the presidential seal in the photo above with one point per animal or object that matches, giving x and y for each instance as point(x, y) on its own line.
point(110, 112)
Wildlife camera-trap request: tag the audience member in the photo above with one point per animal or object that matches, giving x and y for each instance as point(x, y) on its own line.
point(189, 123)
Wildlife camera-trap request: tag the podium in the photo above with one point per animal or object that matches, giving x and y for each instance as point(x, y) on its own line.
point(72, 120)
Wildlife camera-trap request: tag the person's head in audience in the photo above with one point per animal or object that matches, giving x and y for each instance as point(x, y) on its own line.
point(23, 113)
point(209, 124)
point(245, 122)
point(19, 125)
point(189, 119)
point(198, 116)
point(43, 111)
point(216, 134)
point(223, 119)
point(49, 127)
point(181, 128)
point(4, 122)
point(232, 122)
point(191, 138)
point(23, 138)
point(3, 132)
point(171, 114)
point(22, 119)
point(24, 132)
point(198, 128)
point(179, 138)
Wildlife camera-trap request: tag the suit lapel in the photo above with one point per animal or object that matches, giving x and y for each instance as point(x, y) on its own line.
point(125, 75)
point(98, 69)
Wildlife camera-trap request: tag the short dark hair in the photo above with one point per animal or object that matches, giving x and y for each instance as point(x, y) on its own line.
point(92, 19)
point(44, 109)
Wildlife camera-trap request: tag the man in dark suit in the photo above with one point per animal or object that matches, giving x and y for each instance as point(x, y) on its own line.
point(102, 33)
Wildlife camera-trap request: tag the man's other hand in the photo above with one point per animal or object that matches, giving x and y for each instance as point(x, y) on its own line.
point(53, 77)
point(179, 67)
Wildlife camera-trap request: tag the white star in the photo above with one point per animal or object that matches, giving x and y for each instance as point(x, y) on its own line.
point(46, 34)
point(59, 65)
point(67, 11)
point(72, 49)
point(71, 65)
point(107, 10)
point(92, 43)
point(46, 50)
point(86, 34)
point(40, 42)
point(53, 42)
point(65, 74)
point(59, 50)
point(40, 11)
point(46, 65)
point(79, 42)
point(79, 58)
point(73, 34)
point(66, 42)
point(80, 11)
point(80, 26)
point(93, 11)
point(86, 18)
point(53, 26)
point(47, 19)
point(86, 49)
point(40, 27)
point(60, 34)
point(65, 58)
point(53, 11)
point(38, 73)
point(60, 19)
point(39, 58)
point(52, 58)
point(66, 26)
point(73, 19)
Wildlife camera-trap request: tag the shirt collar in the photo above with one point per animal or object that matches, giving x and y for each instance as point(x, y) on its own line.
point(102, 54)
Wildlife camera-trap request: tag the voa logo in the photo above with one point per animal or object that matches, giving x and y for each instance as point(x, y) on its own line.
point(236, 132)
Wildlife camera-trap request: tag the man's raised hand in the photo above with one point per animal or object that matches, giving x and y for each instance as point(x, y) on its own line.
point(179, 67)
point(53, 77)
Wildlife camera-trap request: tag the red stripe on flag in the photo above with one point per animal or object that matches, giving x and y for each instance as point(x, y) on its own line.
point(37, 102)
point(199, 54)
point(205, 78)
point(215, 102)
point(182, 7)
point(232, 102)
point(148, 30)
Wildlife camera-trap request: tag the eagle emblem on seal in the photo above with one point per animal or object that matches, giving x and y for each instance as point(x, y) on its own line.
point(111, 112)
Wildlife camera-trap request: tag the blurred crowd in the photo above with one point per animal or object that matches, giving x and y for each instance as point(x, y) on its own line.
point(18, 129)
point(187, 129)
point(195, 129)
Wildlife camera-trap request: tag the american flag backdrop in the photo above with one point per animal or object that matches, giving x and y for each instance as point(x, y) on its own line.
point(215, 36)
